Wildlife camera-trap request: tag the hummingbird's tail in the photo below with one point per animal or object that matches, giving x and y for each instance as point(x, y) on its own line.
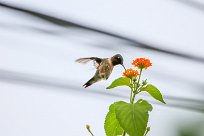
point(90, 82)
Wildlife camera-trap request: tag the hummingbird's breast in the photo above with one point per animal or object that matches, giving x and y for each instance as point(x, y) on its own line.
point(105, 68)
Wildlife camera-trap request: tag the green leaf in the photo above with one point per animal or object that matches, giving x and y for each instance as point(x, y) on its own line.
point(154, 92)
point(133, 118)
point(122, 81)
point(111, 125)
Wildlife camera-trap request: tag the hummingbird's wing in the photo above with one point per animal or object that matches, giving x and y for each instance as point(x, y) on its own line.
point(97, 61)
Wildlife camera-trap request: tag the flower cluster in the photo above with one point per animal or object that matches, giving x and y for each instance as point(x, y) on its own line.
point(130, 73)
point(142, 63)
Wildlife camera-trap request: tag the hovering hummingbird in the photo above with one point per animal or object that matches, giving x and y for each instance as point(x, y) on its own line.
point(104, 67)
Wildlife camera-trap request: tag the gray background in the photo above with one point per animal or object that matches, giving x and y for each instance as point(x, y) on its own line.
point(41, 90)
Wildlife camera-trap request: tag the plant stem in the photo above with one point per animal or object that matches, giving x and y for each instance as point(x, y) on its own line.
point(147, 130)
point(91, 133)
point(89, 130)
point(131, 92)
point(135, 90)
point(124, 133)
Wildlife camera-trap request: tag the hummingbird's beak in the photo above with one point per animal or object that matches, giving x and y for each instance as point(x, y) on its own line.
point(123, 66)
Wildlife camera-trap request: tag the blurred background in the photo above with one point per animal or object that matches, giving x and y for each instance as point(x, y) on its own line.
point(41, 90)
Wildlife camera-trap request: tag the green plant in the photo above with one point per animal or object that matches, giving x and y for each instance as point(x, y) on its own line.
point(131, 118)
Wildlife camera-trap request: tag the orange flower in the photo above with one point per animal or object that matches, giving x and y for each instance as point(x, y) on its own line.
point(142, 63)
point(130, 73)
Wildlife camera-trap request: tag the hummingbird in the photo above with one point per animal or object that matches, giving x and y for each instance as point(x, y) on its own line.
point(104, 67)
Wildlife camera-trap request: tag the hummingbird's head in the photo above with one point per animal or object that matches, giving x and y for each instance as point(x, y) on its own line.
point(117, 59)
